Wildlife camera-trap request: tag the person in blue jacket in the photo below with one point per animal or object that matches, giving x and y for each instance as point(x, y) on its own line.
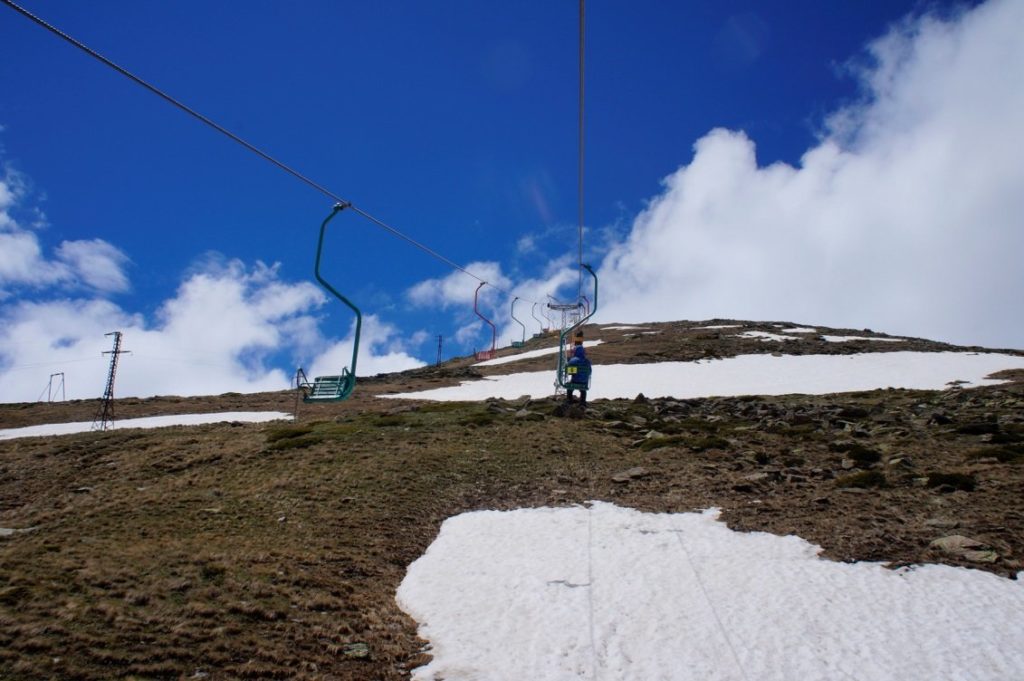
point(580, 378)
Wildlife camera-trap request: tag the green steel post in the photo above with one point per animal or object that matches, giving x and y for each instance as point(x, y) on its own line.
point(359, 315)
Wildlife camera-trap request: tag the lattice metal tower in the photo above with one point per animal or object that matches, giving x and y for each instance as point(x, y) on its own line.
point(105, 415)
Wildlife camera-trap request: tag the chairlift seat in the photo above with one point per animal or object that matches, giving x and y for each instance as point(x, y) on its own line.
point(330, 388)
point(482, 355)
point(518, 344)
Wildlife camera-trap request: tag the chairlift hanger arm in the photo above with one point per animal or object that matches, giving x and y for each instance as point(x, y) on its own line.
point(517, 319)
point(571, 329)
point(341, 386)
point(476, 309)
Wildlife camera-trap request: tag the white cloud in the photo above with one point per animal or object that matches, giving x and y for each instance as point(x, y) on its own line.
point(218, 334)
point(455, 292)
point(381, 350)
point(92, 263)
point(212, 337)
point(526, 244)
point(906, 216)
point(22, 262)
point(97, 263)
point(458, 289)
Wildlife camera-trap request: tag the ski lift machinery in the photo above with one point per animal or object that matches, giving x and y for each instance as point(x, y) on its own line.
point(570, 374)
point(339, 387)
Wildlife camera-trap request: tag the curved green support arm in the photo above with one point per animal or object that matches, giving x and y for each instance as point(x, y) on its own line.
point(567, 332)
point(517, 320)
point(323, 282)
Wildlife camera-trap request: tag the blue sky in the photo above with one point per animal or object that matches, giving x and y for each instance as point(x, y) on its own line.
point(456, 122)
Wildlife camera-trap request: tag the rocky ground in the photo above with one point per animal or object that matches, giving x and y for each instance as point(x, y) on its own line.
point(274, 550)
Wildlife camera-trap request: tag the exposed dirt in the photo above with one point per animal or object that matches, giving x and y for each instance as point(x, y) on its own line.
point(274, 551)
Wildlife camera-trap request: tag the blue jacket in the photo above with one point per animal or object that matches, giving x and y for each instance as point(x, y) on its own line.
point(579, 359)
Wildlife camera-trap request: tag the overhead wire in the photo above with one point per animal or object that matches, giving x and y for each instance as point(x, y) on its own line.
point(579, 293)
point(251, 147)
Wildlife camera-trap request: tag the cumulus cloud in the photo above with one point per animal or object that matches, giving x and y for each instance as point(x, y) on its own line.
point(455, 293)
point(93, 263)
point(214, 336)
point(458, 289)
point(905, 216)
point(224, 330)
point(381, 350)
point(96, 263)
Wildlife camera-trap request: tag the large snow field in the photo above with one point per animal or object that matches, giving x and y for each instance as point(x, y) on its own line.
point(615, 594)
point(751, 375)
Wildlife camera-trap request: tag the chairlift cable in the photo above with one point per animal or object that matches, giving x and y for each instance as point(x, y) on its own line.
point(580, 175)
point(224, 131)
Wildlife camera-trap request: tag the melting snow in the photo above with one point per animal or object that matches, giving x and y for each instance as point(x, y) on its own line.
point(147, 422)
point(844, 339)
point(610, 593)
point(751, 375)
point(529, 354)
point(765, 336)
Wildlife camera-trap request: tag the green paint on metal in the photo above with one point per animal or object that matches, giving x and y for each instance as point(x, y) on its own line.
point(335, 388)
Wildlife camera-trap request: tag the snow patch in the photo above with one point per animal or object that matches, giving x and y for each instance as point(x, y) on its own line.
point(610, 593)
point(844, 339)
point(765, 336)
point(751, 375)
point(530, 354)
point(146, 422)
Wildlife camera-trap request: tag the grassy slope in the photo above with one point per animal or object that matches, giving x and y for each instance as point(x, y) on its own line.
point(263, 551)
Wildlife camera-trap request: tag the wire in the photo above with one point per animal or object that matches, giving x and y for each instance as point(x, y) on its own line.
point(580, 177)
point(224, 131)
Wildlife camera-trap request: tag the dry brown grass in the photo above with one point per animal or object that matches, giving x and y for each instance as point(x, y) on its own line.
point(274, 551)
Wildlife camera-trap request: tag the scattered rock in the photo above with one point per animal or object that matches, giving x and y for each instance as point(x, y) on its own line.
point(901, 461)
point(951, 482)
point(942, 523)
point(527, 415)
point(11, 531)
point(634, 473)
point(356, 651)
point(966, 548)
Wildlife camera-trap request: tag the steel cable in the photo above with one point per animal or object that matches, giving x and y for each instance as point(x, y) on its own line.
point(224, 131)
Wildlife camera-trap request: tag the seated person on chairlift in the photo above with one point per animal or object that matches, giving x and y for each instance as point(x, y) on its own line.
point(579, 379)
